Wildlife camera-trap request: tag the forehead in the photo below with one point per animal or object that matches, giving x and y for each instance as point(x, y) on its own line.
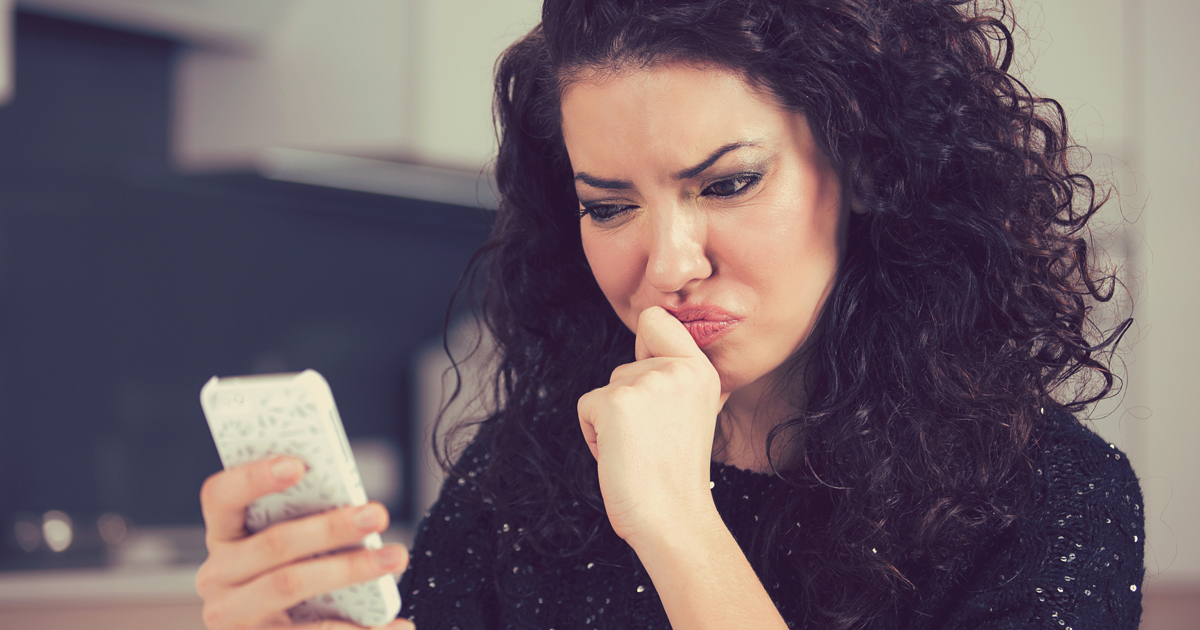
point(672, 110)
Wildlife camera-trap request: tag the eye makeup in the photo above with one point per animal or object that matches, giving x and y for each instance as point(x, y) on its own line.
point(727, 187)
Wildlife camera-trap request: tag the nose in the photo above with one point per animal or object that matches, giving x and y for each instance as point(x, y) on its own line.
point(677, 253)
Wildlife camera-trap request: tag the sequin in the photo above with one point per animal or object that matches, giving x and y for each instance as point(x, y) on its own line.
point(1081, 492)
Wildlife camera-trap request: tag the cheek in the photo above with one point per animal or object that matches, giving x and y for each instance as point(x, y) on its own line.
point(788, 258)
point(617, 267)
point(792, 244)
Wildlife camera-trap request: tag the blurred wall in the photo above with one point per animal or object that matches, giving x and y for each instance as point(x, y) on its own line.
point(6, 83)
point(1125, 72)
point(124, 286)
point(401, 79)
point(1170, 468)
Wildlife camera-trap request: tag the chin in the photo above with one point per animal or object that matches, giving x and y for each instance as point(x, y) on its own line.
point(731, 378)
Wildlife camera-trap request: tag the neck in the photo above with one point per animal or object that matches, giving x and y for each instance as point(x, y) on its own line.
point(749, 415)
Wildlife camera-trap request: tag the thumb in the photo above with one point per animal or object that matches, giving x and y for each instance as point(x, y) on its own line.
point(659, 334)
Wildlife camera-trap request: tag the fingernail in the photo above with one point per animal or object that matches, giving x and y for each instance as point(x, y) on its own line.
point(389, 556)
point(369, 518)
point(286, 469)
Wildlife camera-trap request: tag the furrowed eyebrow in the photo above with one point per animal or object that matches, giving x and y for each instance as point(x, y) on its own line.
point(596, 182)
point(687, 173)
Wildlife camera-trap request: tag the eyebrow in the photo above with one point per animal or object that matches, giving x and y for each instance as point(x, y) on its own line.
point(687, 173)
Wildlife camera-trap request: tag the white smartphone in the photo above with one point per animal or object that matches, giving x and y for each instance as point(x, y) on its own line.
point(256, 417)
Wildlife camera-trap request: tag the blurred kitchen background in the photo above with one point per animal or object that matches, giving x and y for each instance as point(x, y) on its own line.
point(199, 187)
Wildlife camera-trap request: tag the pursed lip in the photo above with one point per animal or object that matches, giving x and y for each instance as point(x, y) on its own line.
point(704, 322)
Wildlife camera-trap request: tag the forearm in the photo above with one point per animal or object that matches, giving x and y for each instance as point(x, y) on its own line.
point(704, 579)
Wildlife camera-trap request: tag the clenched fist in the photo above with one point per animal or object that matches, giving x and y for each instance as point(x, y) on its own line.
point(651, 429)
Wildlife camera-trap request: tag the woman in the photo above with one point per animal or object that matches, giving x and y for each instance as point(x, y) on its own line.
point(791, 301)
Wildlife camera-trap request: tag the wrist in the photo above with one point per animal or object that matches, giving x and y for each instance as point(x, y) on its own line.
point(691, 525)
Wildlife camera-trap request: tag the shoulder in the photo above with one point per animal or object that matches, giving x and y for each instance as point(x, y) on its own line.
point(450, 563)
point(1076, 557)
point(1076, 467)
point(460, 488)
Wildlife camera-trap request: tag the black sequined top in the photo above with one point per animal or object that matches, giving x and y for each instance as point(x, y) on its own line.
point(1075, 564)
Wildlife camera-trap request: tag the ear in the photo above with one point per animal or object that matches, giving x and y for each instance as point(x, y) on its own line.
point(855, 202)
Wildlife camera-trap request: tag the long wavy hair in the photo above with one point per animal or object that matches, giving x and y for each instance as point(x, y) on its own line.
point(962, 309)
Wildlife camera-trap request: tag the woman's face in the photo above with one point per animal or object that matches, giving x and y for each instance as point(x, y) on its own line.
point(704, 196)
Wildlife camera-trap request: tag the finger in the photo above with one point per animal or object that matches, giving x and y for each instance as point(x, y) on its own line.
point(659, 334)
point(630, 371)
point(586, 410)
point(288, 541)
point(225, 495)
point(332, 624)
point(285, 587)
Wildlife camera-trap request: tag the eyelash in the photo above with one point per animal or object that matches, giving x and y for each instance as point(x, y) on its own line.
point(604, 212)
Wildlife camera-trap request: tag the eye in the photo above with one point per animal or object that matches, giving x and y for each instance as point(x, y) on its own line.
point(732, 186)
point(603, 212)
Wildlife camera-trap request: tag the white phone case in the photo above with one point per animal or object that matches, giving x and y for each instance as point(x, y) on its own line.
point(256, 417)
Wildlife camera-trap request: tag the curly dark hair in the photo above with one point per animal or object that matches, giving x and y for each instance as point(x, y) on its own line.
point(962, 310)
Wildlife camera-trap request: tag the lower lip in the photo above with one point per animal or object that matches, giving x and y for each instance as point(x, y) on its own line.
point(705, 332)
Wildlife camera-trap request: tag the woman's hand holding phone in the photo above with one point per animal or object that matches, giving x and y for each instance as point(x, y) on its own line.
point(250, 580)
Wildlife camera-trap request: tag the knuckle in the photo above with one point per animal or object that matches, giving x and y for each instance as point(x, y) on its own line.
point(273, 543)
point(339, 526)
point(286, 583)
point(624, 395)
point(212, 616)
point(208, 489)
point(259, 475)
point(616, 373)
point(362, 567)
point(204, 579)
point(655, 379)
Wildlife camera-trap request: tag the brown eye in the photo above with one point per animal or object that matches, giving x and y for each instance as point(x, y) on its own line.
point(602, 213)
point(732, 186)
